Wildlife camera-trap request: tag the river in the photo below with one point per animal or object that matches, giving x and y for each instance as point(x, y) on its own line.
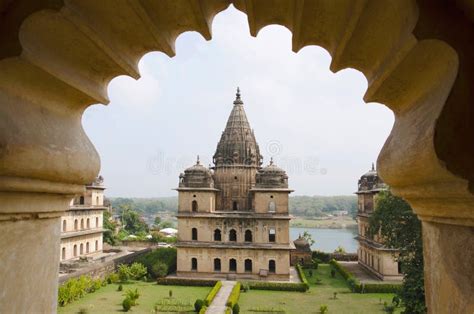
point(327, 240)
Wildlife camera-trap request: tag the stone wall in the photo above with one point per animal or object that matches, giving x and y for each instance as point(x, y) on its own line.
point(101, 270)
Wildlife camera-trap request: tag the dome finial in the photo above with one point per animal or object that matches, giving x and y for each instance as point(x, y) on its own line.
point(198, 162)
point(271, 161)
point(237, 100)
point(373, 167)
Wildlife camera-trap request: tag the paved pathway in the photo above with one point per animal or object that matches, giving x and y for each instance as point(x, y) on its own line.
point(218, 304)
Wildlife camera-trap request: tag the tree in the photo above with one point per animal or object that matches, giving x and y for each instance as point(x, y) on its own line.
point(166, 224)
point(307, 236)
point(394, 220)
point(132, 222)
point(109, 227)
point(157, 221)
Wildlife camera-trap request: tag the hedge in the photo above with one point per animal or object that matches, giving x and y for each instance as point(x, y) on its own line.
point(212, 294)
point(302, 276)
point(277, 286)
point(76, 288)
point(356, 286)
point(186, 282)
point(322, 256)
point(234, 295)
point(203, 310)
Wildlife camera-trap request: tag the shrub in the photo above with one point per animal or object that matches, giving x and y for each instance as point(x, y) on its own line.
point(133, 295)
point(358, 287)
point(234, 295)
point(321, 256)
point(212, 294)
point(277, 286)
point(120, 287)
point(186, 282)
point(159, 269)
point(388, 308)
point(113, 278)
point(126, 304)
point(323, 309)
point(124, 272)
point(198, 305)
point(333, 273)
point(203, 310)
point(302, 276)
point(137, 271)
point(76, 288)
point(236, 309)
point(245, 287)
point(396, 301)
point(163, 255)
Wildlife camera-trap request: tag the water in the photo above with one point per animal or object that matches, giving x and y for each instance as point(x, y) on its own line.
point(327, 240)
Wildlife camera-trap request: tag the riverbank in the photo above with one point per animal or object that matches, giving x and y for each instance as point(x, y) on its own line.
point(331, 223)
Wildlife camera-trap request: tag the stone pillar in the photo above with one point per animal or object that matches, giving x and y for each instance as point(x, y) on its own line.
point(449, 271)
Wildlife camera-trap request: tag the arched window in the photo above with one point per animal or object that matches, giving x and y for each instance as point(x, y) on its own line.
point(271, 235)
point(75, 224)
point(97, 222)
point(87, 247)
point(64, 225)
point(194, 234)
point(96, 245)
point(81, 249)
point(97, 201)
point(217, 264)
point(81, 200)
point(248, 236)
point(82, 223)
point(248, 265)
point(194, 263)
point(75, 250)
point(195, 206)
point(235, 205)
point(232, 235)
point(217, 235)
point(88, 223)
point(271, 207)
point(232, 264)
point(63, 253)
point(271, 266)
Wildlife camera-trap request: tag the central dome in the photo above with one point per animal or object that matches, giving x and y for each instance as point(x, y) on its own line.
point(237, 145)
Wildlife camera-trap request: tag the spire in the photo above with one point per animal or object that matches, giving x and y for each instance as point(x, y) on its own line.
point(237, 144)
point(237, 100)
point(198, 162)
point(271, 161)
point(373, 167)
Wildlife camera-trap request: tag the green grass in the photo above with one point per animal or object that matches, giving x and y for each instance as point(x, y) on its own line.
point(109, 300)
point(317, 295)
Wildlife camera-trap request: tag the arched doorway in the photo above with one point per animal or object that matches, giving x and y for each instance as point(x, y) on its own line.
point(63, 253)
point(271, 266)
point(248, 265)
point(217, 264)
point(194, 206)
point(403, 70)
point(194, 234)
point(232, 265)
point(194, 264)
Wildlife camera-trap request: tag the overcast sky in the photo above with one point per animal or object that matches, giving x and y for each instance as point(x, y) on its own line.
point(313, 122)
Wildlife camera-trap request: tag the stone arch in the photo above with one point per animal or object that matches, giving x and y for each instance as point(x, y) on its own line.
point(217, 264)
point(194, 206)
point(97, 222)
point(96, 245)
point(271, 266)
point(232, 265)
point(88, 223)
point(232, 235)
point(194, 234)
point(426, 159)
point(248, 267)
point(194, 264)
point(217, 235)
point(248, 236)
point(81, 248)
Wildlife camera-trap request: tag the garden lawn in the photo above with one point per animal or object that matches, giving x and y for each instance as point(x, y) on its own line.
point(317, 295)
point(108, 300)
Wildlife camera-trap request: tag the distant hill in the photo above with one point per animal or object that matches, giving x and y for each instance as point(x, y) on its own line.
point(307, 206)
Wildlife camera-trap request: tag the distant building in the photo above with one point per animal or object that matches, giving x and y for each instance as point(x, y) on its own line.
point(233, 219)
point(81, 225)
point(372, 254)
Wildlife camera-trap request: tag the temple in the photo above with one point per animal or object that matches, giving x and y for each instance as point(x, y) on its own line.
point(373, 255)
point(233, 218)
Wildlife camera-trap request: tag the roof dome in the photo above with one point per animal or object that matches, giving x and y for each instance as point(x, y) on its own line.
point(302, 244)
point(271, 176)
point(196, 176)
point(370, 181)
